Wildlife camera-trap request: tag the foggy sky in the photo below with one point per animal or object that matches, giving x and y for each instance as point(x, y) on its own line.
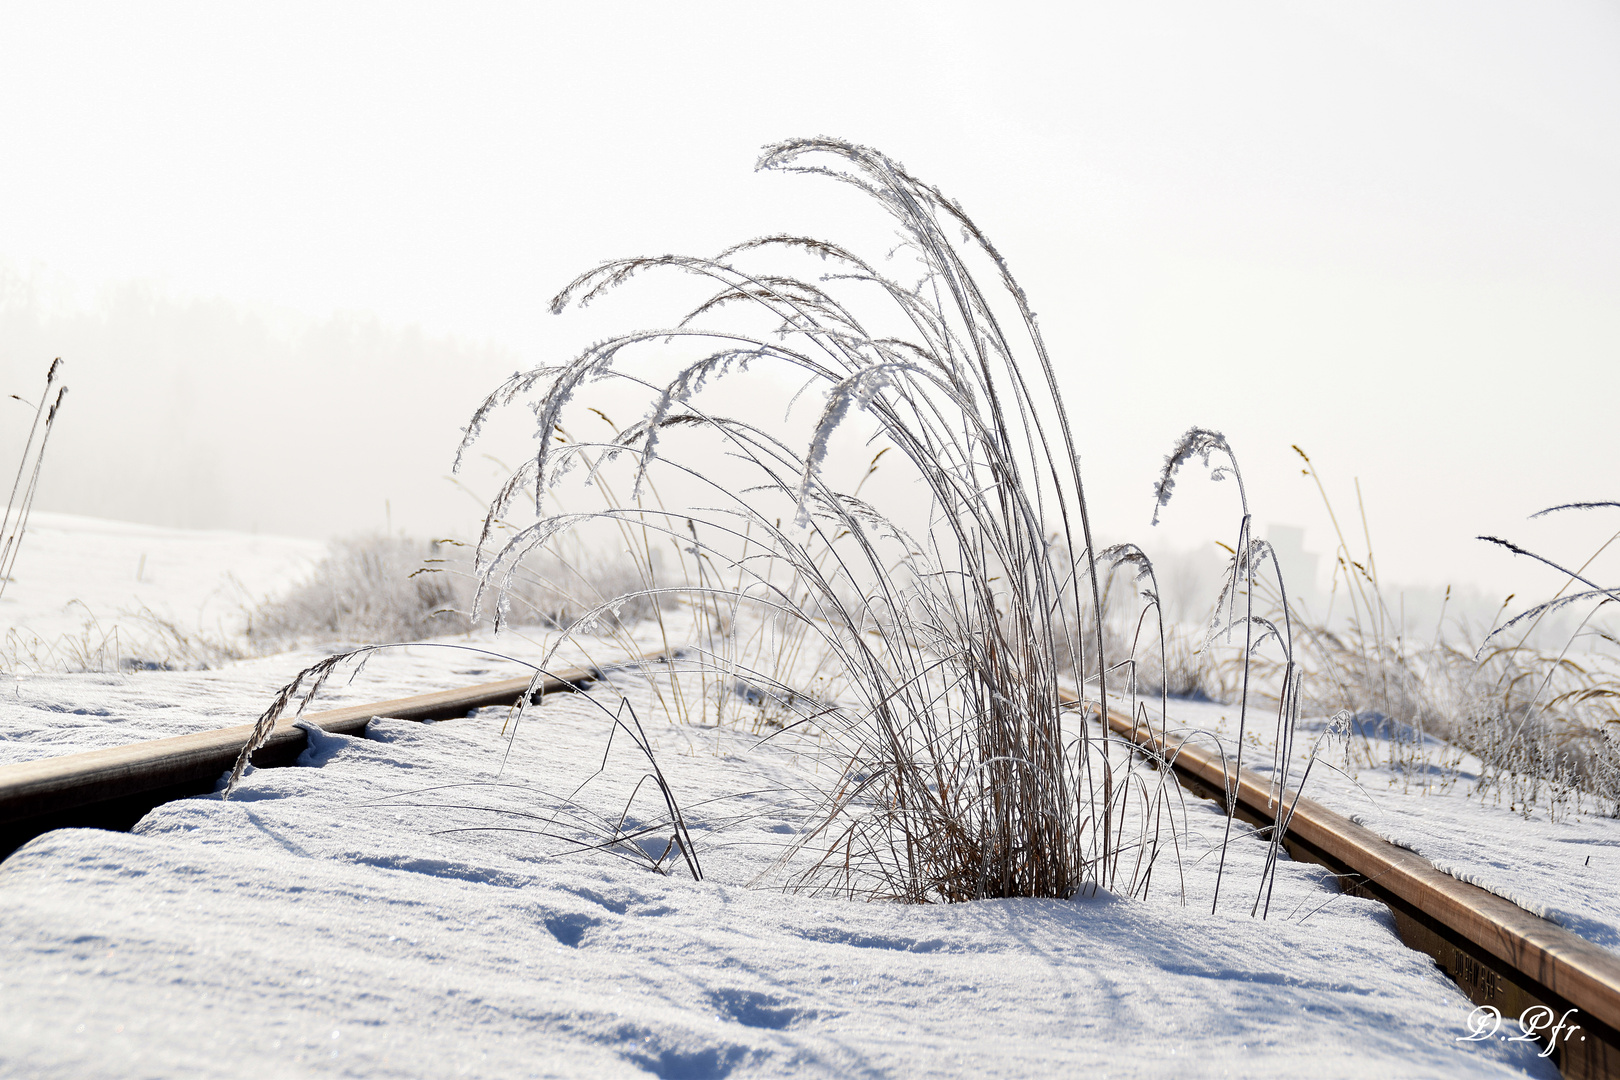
point(285, 249)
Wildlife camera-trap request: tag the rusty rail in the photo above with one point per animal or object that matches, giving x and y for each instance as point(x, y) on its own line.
point(1497, 952)
point(116, 787)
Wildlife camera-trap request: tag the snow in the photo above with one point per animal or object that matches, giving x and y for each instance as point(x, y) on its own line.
point(51, 714)
point(86, 584)
point(417, 903)
point(1566, 871)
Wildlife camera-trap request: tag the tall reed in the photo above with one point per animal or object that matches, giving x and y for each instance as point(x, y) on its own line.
point(960, 776)
point(1253, 565)
point(20, 502)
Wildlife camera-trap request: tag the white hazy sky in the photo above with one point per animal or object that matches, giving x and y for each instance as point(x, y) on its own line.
point(286, 247)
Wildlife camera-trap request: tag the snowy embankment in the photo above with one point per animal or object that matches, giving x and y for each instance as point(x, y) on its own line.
point(415, 903)
point(1565, 870)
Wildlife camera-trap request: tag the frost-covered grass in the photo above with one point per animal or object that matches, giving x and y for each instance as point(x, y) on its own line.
point(31, 459)
point(1540, 723)
point(1535, 711)
point(376, 589)
point(956, 601)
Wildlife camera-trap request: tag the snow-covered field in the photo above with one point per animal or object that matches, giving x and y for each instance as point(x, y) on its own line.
point(407, 905)
point(86, 588)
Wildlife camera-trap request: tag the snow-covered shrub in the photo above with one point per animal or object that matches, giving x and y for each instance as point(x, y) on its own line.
point(367, 589)
point(377, 589)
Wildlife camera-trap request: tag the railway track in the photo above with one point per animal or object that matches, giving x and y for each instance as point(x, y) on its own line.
point(1498, 953)
point(116, 787)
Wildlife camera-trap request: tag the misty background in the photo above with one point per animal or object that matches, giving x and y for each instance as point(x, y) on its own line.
point(286, 249)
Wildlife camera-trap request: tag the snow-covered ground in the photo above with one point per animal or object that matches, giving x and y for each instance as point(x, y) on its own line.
point(1566, 870)
point(413, 904)
point(90, 593)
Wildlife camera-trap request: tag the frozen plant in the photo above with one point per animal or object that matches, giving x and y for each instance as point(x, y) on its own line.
point(953, 604)
point(14, 524)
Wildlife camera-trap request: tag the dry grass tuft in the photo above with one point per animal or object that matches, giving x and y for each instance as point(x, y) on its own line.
point(848, 491)
point(952, 602)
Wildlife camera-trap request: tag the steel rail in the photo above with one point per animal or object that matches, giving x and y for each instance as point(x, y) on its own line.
point(114, 788)
point(1498, 953)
